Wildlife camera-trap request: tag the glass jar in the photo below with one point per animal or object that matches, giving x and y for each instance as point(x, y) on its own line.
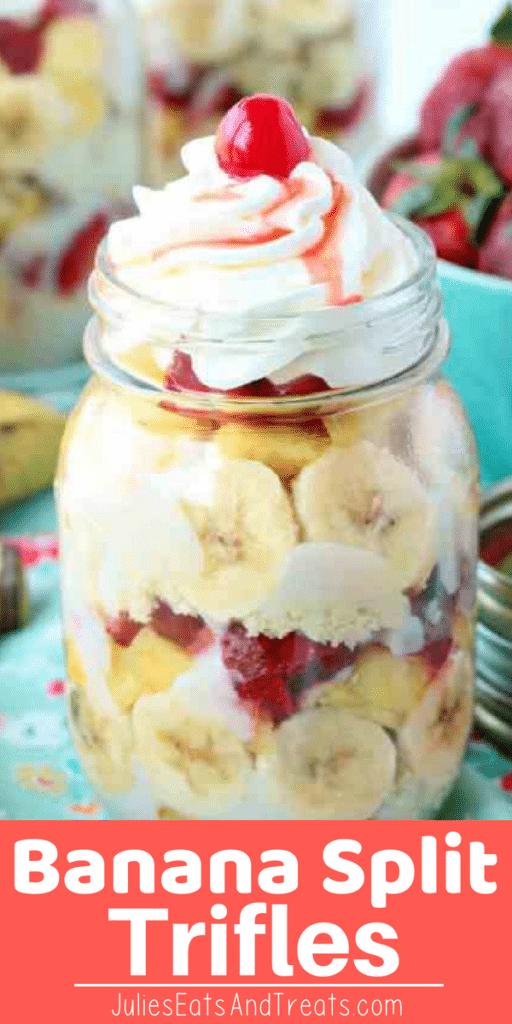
point(70, 145)
point(204, 55)
point(269, 595)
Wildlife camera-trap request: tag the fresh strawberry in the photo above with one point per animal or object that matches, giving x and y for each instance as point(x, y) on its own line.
point(495, 254)
point(462, 86)
point(462, 92)
point(450, 197)
point(181, 629)
point(123, 629)
point(450, 235)
point(261, 135)
point(78, 259)
point(498, 108)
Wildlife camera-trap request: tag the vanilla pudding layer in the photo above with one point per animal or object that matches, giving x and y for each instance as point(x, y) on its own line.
point(261, 267)
point(243, 602)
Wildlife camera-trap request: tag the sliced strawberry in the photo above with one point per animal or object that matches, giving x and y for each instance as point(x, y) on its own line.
point(436, 654)
point(270, 695)
point(181, 629)
point(123, 629)
point(181, 376)
point(344, 117)
point(21, 46)
point(270, 671)
point(77, 261)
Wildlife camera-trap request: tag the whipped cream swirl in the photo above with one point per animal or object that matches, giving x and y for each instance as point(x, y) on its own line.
point(243, 262)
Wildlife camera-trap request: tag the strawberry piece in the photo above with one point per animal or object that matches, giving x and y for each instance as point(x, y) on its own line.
point(343, 118)
point(462, 85)
point(506, 782)
point(21, 46)
point(202, 641)
point(272, 672)
point(181, 629)
point(261, 135)
point(495, 254)
point(267, 670)
point(269, 695)
point(307, 384)
point(331, 659)
point(123, 629)
point(77, 261)
point(181, 376)
point(436, 654)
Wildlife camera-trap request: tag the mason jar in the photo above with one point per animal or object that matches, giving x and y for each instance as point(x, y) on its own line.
point(269, 593)
point(204, 55)
point(70, 146)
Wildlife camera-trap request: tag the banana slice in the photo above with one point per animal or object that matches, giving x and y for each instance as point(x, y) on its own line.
point(380, 687)
point(21, 200)
point(245, 532)
point(332, 73)
point(103, 742)
point(206, 31)
point(150, 664)
point(432, 742)
point(30, 436)
point(165, 813)
point(277, 69)
point(286, 450)
point(73, 47)
point(299, 19)
point(194, 762)
point(33, 118)
point(330, 764)
point(365, 498)
point(367, 423)
point(87, 104)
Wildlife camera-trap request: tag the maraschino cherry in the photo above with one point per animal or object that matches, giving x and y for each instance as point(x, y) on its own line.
point(261, 135)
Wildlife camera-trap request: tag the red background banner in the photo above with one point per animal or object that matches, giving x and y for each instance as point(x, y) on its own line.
point(64, 961)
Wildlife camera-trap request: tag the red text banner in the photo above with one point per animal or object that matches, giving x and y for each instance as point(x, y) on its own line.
point(254, 921)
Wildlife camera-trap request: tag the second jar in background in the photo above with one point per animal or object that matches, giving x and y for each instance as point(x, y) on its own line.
point(204, 55)
point(70, 97)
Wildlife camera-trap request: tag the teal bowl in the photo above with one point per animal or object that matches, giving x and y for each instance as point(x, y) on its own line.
point(478, 308)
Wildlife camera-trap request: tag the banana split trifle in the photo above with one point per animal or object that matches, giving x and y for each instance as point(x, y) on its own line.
point(268, 498)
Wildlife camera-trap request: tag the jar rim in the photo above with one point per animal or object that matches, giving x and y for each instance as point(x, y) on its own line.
point(347, 315)
point(379, 343)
